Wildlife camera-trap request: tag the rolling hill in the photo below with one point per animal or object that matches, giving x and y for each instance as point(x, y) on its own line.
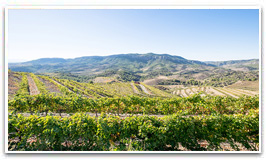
point(137, 67)
point(98, 64)
point(238, 65)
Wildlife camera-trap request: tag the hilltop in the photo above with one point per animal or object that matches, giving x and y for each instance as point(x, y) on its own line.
point(138, 67)
point(98, 64)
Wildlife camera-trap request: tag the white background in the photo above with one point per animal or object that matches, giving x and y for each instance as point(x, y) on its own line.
point(4, 3)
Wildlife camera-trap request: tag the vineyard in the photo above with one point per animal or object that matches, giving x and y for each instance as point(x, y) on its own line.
point(51, 114)
point(214, 91)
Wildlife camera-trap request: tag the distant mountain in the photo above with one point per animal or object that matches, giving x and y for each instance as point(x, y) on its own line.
point(140, 63)
point(127, 67)
point(239, 65)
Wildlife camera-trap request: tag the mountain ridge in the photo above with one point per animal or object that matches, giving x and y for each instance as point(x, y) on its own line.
point(149, 63)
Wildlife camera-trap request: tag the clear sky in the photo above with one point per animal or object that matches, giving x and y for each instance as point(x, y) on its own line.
point(197, 34)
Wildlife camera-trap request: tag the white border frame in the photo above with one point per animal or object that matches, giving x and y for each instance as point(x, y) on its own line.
point(125, 7)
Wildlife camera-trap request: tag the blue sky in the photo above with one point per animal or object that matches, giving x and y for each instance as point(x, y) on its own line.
point(198, 34)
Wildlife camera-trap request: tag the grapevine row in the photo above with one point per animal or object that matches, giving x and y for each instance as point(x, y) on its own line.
point(81, 132)
point(40, 85)
point(64, 90)
point(117, 89)
point(24, 86)
point(157, 91)
point(75, 89)
point(95, 90)
point(134, 105)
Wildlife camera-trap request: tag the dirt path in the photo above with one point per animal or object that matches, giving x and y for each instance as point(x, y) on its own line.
point(32, 86)
point(134, 89)
point(144, 89)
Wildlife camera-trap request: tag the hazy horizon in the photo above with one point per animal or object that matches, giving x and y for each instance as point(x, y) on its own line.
point(196, 34)
point(23, 60)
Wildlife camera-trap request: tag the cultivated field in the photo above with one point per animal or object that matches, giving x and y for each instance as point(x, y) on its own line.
point(50, 114)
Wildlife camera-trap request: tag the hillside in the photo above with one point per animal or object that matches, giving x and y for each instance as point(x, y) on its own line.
point(238, 65)
point(64, 109)
point(92, 65)
point(149, 68)
point(22, 83)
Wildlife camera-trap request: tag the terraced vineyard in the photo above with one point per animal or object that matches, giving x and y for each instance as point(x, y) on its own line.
point(116, 89)
point(14, 80)
point(125, 116)
point(213, 91)
point(44, 84)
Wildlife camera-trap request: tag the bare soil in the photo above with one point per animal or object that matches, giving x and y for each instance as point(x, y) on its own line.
point(134, 89)
point(144, 89)
point(13, 83)
point(50, 86)
point(32, 86)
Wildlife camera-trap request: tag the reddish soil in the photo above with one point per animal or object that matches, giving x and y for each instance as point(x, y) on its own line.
point(32, 86)
point(13, 83)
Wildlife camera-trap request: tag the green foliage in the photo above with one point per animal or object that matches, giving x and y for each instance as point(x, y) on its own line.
point(157, 92)
point(156, 73)
point(64, 90)
point(134, 105)
point(188, 121)
point(230, 77)
point(92, 64)
point(217, 79)
point(81, 132)
point(74, 77)
point(40, 85)
point(127, 76)
point(24, 86)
